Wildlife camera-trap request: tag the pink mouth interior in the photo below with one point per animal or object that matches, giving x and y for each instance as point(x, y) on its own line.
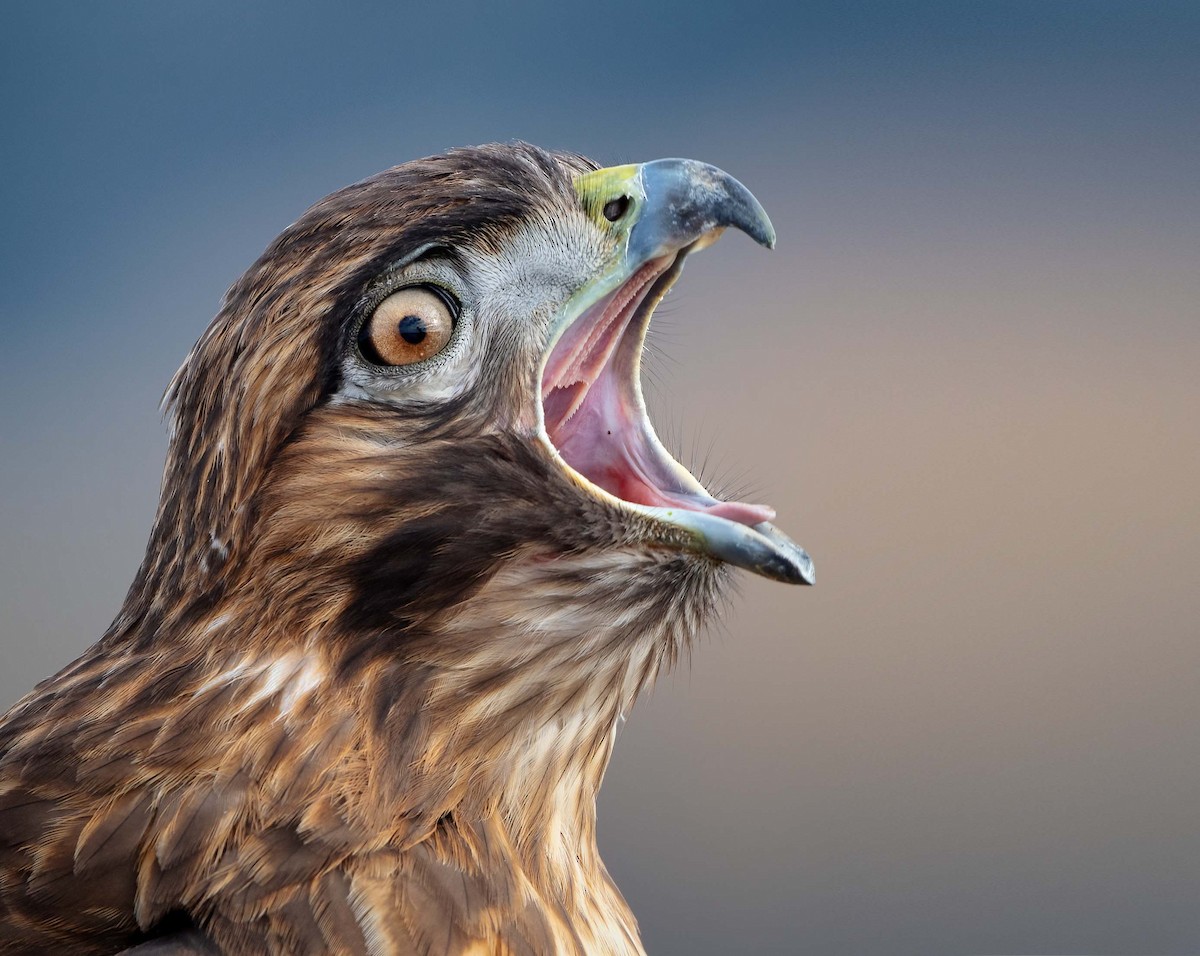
point(594, 416)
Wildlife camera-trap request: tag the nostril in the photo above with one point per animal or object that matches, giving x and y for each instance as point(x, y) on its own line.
point(614, 209)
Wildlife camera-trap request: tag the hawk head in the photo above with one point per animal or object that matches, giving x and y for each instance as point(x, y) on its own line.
point(492, 298)
point(418, 549)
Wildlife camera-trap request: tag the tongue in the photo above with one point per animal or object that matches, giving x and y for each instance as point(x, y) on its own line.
point(742, 512)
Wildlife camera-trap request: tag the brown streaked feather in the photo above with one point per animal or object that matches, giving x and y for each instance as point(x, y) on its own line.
point(113, 834)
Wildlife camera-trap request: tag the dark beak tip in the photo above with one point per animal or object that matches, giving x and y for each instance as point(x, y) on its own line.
point(787, 561)
point(799, 574)
point(748, 215)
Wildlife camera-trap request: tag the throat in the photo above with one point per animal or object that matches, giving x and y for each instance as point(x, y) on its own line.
point(527, 712)
point(547, 797)
point(534, 709)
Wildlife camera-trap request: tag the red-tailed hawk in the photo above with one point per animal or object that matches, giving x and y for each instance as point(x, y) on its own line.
point(418, 549)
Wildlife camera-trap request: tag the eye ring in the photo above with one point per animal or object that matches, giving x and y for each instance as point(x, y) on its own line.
point(408, 326)
point(614, 209)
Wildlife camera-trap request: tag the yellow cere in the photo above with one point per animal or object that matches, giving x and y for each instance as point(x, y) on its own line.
point(600, 187)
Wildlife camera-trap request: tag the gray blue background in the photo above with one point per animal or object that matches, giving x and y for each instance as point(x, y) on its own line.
point(968, 378)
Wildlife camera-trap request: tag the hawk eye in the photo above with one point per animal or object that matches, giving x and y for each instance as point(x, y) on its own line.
point(409, 326)
point(614, 209)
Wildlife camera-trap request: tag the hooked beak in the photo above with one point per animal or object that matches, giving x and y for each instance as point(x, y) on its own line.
point(593, 415)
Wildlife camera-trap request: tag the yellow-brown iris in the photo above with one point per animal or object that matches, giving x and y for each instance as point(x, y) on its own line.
point(409, 326)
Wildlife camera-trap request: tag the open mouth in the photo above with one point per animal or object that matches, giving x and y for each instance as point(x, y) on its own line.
point(594, 413)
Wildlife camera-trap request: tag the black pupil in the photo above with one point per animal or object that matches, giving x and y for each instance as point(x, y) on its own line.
point(614, 209)
point(412, 329)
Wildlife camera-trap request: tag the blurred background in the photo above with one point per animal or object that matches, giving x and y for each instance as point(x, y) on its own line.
point(968, 379)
